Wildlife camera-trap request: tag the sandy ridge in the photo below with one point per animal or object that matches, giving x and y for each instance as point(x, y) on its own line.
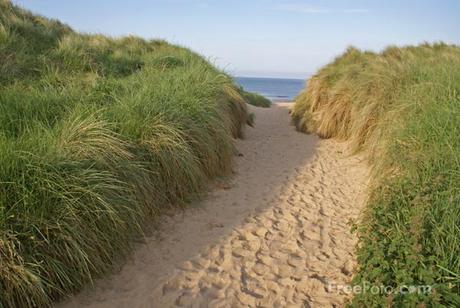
point(278, 235)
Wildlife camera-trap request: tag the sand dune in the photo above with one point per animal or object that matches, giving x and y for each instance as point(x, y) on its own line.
point(276, 234)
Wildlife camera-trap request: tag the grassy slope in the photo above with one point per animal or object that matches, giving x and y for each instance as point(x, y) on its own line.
point(257, 99)
point(97, 135)
point(403, 108)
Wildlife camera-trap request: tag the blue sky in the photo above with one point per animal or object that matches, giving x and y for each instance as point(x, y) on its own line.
point(268, 38)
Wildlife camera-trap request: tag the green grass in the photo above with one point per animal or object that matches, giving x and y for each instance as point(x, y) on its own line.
point(97, 136)
point(256, 99)
point(402, 107)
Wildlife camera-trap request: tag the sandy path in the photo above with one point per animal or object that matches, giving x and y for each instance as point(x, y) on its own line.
point(276, 234)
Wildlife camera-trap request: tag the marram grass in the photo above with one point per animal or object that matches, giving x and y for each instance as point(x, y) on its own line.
point(402, 107)
point(97, 135)
point(257, 99)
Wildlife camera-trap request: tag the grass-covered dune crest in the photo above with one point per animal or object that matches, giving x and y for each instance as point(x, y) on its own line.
point(257, 99)
point(97, 135)
point(402, 107)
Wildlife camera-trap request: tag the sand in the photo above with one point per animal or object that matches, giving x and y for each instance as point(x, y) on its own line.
point(275, 234)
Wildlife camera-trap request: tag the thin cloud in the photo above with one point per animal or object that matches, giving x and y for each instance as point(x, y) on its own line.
point(308, 9)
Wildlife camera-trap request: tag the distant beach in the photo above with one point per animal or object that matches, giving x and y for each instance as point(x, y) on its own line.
point(275, 89)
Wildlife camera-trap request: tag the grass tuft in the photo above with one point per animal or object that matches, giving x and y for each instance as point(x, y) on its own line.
point(256, 99)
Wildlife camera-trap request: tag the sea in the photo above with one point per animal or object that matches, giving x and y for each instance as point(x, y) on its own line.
point(275, 89)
